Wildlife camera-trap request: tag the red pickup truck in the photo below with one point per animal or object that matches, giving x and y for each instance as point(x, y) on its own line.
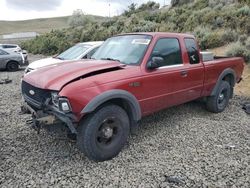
point(130, 76)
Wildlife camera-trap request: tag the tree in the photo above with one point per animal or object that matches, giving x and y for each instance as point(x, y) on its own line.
point(78, 19)
point(131, 9)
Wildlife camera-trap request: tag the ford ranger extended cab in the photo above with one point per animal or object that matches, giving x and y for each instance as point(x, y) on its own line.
point(130, 76)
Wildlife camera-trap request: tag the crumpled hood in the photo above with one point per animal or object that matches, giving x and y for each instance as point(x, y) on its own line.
point(54, 77)
point(44, 62)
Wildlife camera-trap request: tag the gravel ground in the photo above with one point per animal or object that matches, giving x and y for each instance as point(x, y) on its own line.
point(184, 146)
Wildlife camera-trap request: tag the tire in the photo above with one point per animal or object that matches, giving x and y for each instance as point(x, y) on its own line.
point(104, 133)
point(219, 102)
point(12, 66)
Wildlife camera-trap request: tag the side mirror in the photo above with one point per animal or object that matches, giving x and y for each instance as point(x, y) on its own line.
point(156, 62)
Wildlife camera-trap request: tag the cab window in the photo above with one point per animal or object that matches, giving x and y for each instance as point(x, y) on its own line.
point(192, 50)
point(169, 50)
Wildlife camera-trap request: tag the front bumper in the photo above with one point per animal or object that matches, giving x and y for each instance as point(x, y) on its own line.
point(49, 115)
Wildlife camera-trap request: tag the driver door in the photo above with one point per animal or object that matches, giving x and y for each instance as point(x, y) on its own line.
point(164, 84)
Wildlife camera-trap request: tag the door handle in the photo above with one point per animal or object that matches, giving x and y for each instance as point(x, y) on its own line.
point(184, 73)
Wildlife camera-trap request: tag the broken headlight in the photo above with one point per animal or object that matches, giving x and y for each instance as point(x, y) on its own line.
point(55, 98)
point(62, 103)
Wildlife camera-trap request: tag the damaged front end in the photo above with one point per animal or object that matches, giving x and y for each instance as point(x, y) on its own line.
point(48, 109)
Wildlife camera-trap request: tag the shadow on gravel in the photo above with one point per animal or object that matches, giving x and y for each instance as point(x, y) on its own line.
point(171, 118)
point(19, 70)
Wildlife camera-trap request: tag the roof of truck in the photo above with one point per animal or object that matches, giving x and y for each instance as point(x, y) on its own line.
point(160, 33)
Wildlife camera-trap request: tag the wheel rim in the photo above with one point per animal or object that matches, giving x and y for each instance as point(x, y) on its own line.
point(108, 132)
point(12, 66)
point(222, 98)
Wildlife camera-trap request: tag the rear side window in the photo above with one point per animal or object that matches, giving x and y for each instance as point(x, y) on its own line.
point(3, 52)
point(9, 46)
point(169, 50)
point(192, 50)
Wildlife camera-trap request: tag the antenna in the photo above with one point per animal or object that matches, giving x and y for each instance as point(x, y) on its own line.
point(109, 10)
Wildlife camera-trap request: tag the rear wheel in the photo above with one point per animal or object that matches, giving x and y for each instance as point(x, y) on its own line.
point(104, 133)
point(220, 100)
point(12, 66)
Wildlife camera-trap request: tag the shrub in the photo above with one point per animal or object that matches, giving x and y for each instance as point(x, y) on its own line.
point(238, 50)
point(201, 4)
point(229, 36)
point(244, 11)
point(214, 22)
point(213, 40)
point(208, 38)
point(218, 22)
point(243, 39)
point(248, 43)
point(145, 26)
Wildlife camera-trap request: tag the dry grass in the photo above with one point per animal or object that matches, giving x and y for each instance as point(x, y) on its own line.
point(42, 25)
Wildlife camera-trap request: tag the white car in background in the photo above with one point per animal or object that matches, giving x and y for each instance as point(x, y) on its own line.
point(79, 51)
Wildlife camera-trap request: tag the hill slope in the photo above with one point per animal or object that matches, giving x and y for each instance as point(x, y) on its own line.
point(215, 23)
point(42, 25)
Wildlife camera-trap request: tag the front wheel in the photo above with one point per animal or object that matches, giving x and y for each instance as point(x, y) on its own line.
point(220, 100)
point(104, 133)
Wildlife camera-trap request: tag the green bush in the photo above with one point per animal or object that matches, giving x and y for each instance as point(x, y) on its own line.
point(244, 11)
point(229, 36)
point(243, 39)
point(208, 38)
point(213, 40)
point(238, 50)
point(214, 22)
point(248, 43)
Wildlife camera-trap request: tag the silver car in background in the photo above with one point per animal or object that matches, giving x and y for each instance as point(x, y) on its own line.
point(11, 47)
point(11, 60)
point(15, 48)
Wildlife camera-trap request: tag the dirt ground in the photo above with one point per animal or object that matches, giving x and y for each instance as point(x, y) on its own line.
point(183, 146)
point(243, 88)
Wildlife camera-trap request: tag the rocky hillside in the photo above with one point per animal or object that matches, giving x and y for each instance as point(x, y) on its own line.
point(226, 2)
point(214, 22)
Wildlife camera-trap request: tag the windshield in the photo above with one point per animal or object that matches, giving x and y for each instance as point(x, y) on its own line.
point(128, 49)
point(73, 53)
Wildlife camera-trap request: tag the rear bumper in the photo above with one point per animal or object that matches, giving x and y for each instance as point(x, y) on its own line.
point(24, 63)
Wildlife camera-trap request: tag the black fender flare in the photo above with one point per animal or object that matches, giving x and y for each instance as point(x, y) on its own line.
point(114, 94)
point(226, 72)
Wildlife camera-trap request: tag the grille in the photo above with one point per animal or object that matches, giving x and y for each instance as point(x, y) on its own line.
point(33, 95)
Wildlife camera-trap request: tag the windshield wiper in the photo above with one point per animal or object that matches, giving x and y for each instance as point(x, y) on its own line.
point(111, 59)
